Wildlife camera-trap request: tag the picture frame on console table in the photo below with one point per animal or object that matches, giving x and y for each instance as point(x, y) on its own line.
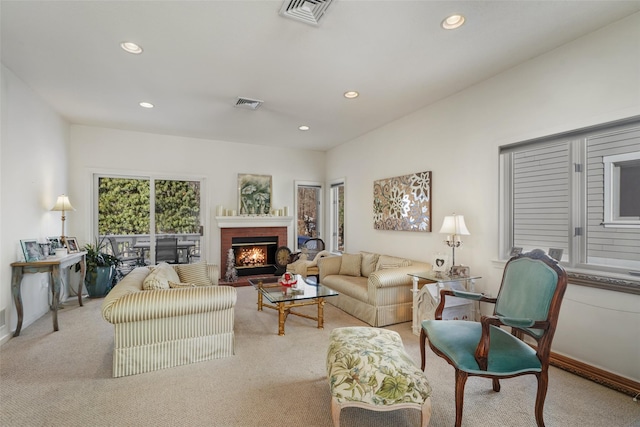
point(72, 245)
point(32, 250)
point(254, 194)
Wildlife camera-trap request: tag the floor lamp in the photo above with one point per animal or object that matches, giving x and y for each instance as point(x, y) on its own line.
point(454, 227)
point(62, 205)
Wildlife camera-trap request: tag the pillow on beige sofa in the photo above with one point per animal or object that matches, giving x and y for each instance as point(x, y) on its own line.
point(194, 273)
point(350, 265)
point(369, 261)
point(386, 261)
point(160, 277)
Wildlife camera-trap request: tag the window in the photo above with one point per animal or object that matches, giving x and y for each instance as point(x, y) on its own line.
point(579, 192)
point(622, 190)
point(308, 211)
point(337, 217)
point(132, 212)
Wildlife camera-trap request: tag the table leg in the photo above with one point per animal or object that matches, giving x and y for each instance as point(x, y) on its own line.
point(83, 272)
point(16, 283)
point(55, 291)
point(259, 300)
point(281, 318)
point(320, 313)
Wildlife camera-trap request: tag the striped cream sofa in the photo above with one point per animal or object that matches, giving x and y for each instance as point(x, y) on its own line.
point(162, 326)
point(374, 288)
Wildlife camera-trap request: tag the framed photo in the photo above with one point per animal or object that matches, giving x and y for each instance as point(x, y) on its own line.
point(254, 194)
point(55, 243)
point(556, 254)
point(32, 250)
point(515, 251)
point(440, 263)
point(72, 245)
point(460, 271)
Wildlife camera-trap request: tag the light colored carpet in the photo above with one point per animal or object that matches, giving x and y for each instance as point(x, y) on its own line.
point(64, 379)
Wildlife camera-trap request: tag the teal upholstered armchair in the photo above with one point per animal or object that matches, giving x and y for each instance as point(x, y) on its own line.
point(528, 303)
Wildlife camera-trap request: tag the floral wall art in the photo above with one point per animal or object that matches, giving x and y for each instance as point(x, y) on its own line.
point(254, 194)
point(403, 203)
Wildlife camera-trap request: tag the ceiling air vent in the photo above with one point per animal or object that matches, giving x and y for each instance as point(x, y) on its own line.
point(307, 11)
point(248, 103)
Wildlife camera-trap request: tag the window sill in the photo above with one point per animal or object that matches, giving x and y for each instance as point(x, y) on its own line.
point(596, 279)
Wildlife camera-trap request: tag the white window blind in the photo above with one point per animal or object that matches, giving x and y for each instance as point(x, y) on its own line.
point(541, 197)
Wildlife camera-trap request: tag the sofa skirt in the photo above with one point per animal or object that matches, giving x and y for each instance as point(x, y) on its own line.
point(152, 357)
point(374, 316)
point(154, 344)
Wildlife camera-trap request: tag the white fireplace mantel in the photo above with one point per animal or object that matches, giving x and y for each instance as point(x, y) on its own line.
point(259, 221)
point(254, 221)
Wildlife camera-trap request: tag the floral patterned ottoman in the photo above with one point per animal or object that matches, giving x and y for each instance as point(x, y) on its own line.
point(368, 368)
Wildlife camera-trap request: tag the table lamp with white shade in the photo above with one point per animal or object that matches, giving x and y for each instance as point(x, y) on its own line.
point(454, 227)
point(63, 204)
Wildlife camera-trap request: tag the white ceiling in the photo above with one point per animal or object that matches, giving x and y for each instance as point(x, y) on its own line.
point(199, 56)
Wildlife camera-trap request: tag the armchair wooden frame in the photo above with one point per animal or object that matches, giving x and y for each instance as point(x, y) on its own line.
point(540, 330)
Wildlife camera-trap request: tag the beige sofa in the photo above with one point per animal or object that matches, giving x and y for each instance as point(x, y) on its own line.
point(171, 324)
point(372, 287)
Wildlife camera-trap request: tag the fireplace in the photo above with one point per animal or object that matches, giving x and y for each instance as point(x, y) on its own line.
point(251, 244)
point(254, 255)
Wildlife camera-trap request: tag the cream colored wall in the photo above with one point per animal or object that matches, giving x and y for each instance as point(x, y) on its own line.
point(34, 172)
point(593, 80)
point(219, 162)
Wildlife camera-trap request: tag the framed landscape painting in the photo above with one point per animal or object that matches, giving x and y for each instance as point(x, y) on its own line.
point(403, 203)
point(254, 194)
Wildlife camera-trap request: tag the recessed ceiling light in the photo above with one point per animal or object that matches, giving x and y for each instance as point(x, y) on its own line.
point(452, 22)
point(131, 47)
point(351, 94)
point(146, 105)
point(304, 127)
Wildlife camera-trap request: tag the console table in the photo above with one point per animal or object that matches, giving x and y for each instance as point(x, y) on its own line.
point(427, 298)
point(51, 265)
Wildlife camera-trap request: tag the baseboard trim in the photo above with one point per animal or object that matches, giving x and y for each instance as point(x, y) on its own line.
point(600, 376)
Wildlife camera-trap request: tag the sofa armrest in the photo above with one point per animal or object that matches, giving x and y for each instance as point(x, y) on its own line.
point(394, 276)
point(162, 303)
point(329, 265)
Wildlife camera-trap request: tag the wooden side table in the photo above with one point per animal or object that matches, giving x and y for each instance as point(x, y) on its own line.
point(52, 266)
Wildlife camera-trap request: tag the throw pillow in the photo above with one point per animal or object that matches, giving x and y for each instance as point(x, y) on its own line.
point(391, 262)
point(369, 261)
point(160, 276)
point(194, 273)
point(174, 285)
point(350, 265)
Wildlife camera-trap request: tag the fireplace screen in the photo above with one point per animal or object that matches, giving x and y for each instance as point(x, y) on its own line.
point(254, 255)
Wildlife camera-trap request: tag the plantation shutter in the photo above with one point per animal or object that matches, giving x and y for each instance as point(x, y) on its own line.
point(541, 198)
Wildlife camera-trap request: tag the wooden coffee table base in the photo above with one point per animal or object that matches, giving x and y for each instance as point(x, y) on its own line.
point(284, 309)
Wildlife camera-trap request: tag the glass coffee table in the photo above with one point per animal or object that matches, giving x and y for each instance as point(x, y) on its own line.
point(283, 299)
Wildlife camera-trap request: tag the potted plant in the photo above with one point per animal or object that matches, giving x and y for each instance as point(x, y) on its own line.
point(101, 269)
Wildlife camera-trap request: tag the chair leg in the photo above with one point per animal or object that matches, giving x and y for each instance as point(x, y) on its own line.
point(423, 341)
point(496, 384)
point(461, 379)
point(543, 380)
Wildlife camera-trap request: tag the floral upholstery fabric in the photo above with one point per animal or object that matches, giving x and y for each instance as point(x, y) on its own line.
point(369, 365)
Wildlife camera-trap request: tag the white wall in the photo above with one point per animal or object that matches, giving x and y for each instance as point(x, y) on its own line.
point(219, 162)
point(33, 174)
point(593, 80)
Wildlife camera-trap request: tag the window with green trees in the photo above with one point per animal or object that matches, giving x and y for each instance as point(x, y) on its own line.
point(134, 209)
